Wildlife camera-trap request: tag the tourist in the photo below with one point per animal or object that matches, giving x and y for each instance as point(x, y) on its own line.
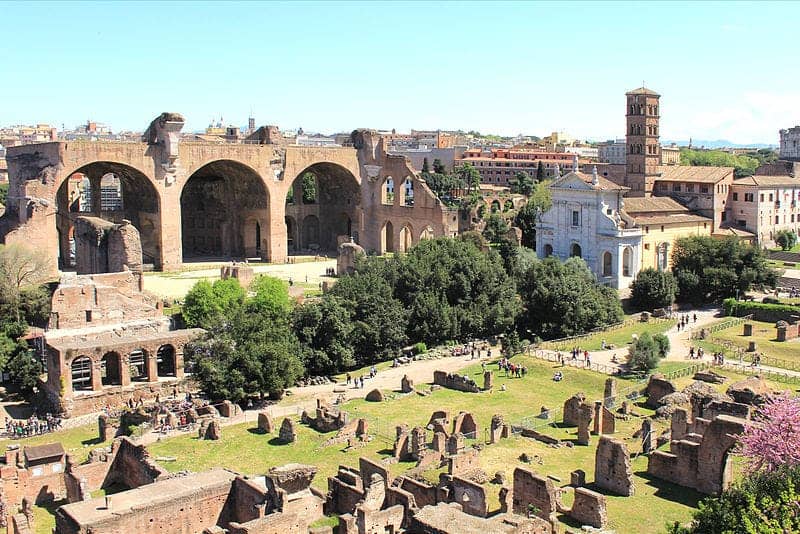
point(558, 376)
point(349, 378)
point(694, 316)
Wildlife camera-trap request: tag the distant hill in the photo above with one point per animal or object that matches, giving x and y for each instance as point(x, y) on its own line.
point(718, 143)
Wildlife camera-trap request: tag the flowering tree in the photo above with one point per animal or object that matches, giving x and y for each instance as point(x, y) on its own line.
point(773, 438)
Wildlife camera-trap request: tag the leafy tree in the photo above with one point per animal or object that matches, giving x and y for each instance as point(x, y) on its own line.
point(3, 193)
point(469, 176)
point(521, 183)
point(709, 269)
point(24, 369)
point(474, 238)
point(205, 301)
point(443, 185)
point(324, 329)
point(786, 239)
point(772, 439)
point(438, 167)
point(662, 341)
point(425, 166)
point(744, 165)
point(309, 187)
point(653, 289)
point(564, 299)
point(761, 503)
point(644, 354)
point(271, 295)
point(540, 172)
point(496, 228)
point(539, 202)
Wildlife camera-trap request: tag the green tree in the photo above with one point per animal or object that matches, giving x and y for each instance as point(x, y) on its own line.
point(786, 239)
point(653, 289)
point(643, 354)
point(309, 187)
point(425, 167)
point(205, 301)
point(539, 202)
point(709, 269)
point(540, 172)
point(496, 228)
point(438, 167)
point(562, 299)
point(744, 165)
point(324, 331)
point(662, 341)
point(271, 295)
point(21, 267)
point(24, 369)
point(3, 193)
point(761, 503)
point(521, 183)
point(469, 176)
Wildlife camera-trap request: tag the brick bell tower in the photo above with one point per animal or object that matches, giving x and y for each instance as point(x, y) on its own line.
point(643, 151)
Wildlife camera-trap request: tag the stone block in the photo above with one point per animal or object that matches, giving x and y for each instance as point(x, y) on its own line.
point(265, 423)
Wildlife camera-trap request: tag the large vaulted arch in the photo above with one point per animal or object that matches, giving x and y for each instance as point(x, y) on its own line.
point(224, 212)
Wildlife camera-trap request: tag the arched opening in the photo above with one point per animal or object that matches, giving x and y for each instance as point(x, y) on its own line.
point(138, 365)
point(308, 188)
point(81, 369)
point(481, 210)
point(387, 237)
point(291, 234)
point(217, 202)
point(387, 192)
point(627, 261)
point(495, 206)
point(113, 192)
point(508, 205)
point(607, 263)
point(575, 251)
point(548, 250)
point(165, 360)
point(337, 198)
point(427, 233)
point(405, 238)
point(111, 369)
point(311, 233)
point(408, 192)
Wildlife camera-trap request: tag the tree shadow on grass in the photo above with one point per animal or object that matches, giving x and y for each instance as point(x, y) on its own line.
point(672, 492)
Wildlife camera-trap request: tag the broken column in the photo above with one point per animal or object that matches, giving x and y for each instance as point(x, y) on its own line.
point(584, 420)
point(610, 393)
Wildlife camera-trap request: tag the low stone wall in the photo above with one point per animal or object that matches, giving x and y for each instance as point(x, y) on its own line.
point(455, 381)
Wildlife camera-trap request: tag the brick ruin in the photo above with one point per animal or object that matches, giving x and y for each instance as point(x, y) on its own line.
point(455, 381)
point(612, 467)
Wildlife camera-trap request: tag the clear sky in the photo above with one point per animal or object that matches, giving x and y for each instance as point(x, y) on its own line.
point(724, 70)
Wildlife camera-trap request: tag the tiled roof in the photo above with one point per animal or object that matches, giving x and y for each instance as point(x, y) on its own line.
point(686, 173)
point(635, 205)
point(678, 218)
point(602, 183)
point(768, 181)
point(643, 91)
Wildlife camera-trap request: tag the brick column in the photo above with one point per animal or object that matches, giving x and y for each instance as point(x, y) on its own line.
point(179, 361)
point(97, 380)
point(152, 368)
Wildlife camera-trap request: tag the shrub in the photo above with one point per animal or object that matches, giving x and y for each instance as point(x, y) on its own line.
point(420, 348)
point(643, 355)
point(786, 239)
point(663, 344)
point(653, 289)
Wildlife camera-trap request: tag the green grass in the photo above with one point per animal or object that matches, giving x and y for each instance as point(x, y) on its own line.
point(765, 336)
point(78, 442)
point(245, 450)
point(619, 337)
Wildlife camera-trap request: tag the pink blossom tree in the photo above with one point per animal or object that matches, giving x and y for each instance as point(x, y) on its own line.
point(772, 439)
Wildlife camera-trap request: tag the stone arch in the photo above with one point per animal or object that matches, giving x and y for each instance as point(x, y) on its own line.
point(508, 205)
point(338, 197)
point(165, 361)
point(495, 206)
point(111, 369)
point(81, 373)
point(608, 262)
point(81, 193)
point(426, 233)
point(137, 362)
point(311, 232)
point(387, 237)
point(548, 250)
point(387, 192)
point(407, 192)
point(405, 238)
point(217, 201)
point(575, 250)
point(627, 261)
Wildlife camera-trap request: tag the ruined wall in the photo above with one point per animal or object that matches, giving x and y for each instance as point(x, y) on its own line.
point(534, 490)
point(132, 466)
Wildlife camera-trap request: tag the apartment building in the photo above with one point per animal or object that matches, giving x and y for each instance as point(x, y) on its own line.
point(764, 205)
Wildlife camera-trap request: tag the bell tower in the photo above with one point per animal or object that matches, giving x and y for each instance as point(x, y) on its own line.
point(643, 151)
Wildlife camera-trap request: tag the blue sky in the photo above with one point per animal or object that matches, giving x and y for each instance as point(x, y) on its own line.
point(724, 70)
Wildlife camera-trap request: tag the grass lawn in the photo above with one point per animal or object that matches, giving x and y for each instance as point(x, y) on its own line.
point(243, 449)
point(76, 441)
point(765, 336)
point(619, 337)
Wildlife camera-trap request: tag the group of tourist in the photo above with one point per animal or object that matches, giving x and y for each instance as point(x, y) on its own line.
point(684, 319)
point(33, 426)
point(718, 358)
point(696, 354)
point(471, 349)
point(513, 370)
point(358, 381)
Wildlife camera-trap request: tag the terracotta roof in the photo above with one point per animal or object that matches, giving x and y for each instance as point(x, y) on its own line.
point(602, 183)
point(635, 205)
point(34, 453)
point(686, 173)
point(642, 91)
point(678, 218)
point(768, 181)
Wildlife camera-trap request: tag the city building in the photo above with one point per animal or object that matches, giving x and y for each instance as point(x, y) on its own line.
point(763, 205)
point(701, 189)
point(446, 156)
point(582, 151)
point(588, 221)
point(497, 166)
point(612, 151)
point(670, 155)
point(643, 155)
point(790, 144)
point(25, 135)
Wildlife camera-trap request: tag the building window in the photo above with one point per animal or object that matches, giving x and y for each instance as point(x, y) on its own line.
point(676, 187)
point(736, 196)
point(690, 188)
point(761, 197)
point(606, 264)
point(770, 197)
point(748, 197)
point(576, 218)
point(662, 186)
point(575, 251)
point(777, 219)
point(704, 189)
point(741, 222)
